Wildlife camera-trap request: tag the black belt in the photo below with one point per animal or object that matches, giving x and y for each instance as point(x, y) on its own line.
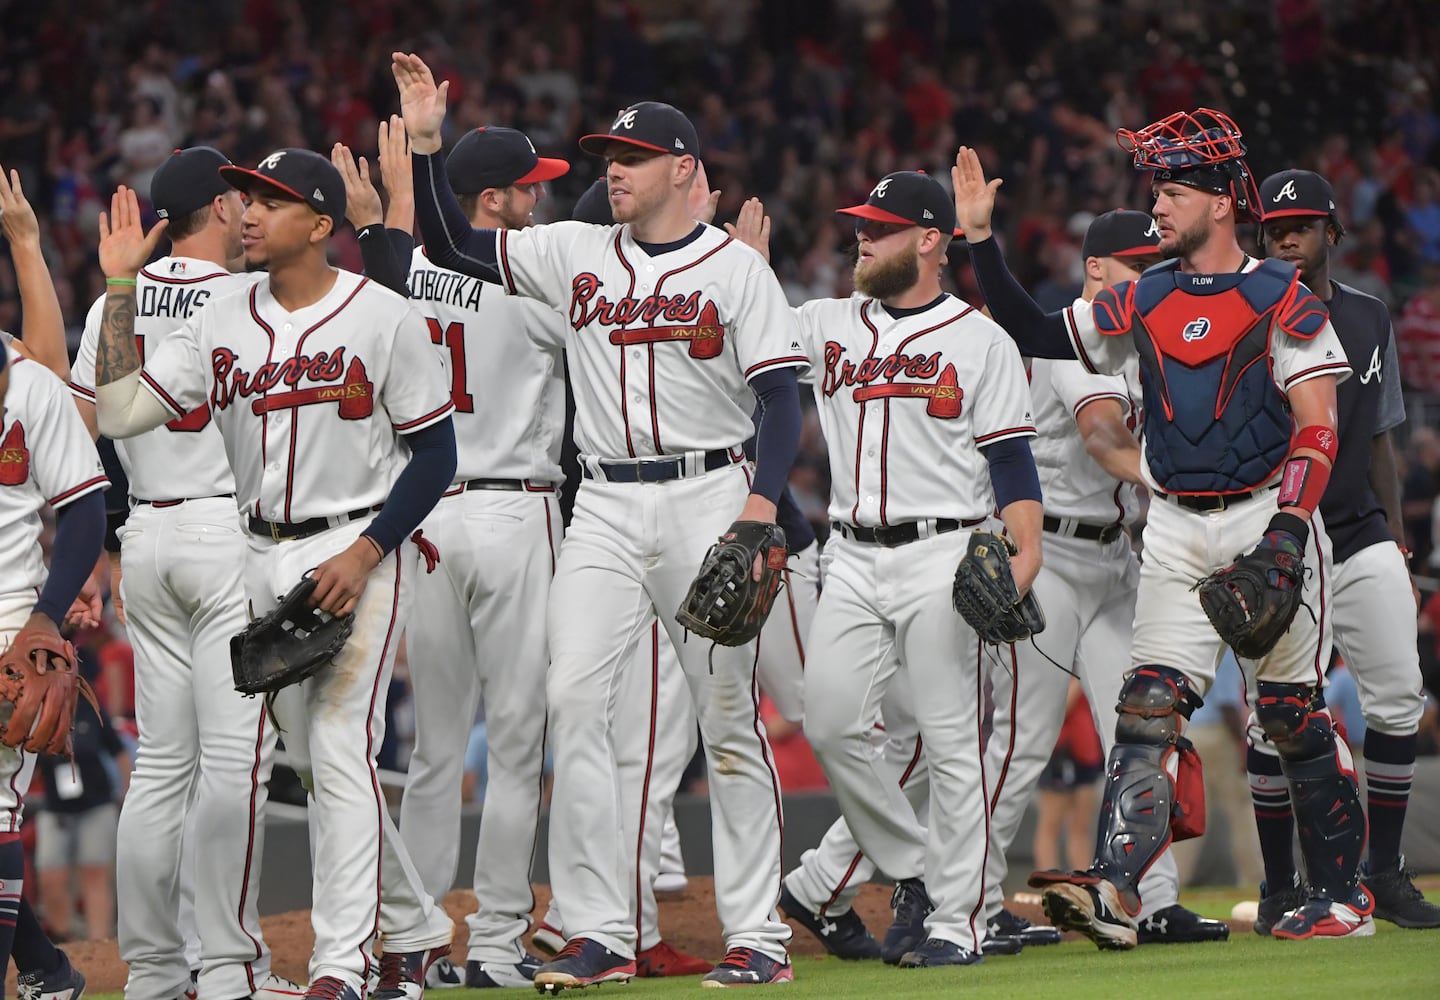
point(1102, 533)
point(656, 470)
point(901, 534)
point(283, 531)
point(513, 485)
point(177, 503)
point(1209, 503)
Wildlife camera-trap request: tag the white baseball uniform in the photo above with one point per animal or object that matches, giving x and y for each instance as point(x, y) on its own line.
point(906, 404)
point(46, 457)
point(478, 629)
point(662, 349)
point(312, 406)
point(205, 751)
point(1086, 588)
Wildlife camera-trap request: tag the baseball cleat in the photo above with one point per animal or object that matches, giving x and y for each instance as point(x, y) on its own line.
point(912, 905)
point(583, 962)
point(331, 988)
point(1093, 910)
point(1177, 925)
point(1274, 906)
point(998, 944)
point(844, 935)
point(64, 982)
point(1007, 924)
point(1397, 899)
point(402, 975)
point(936, 952)
point(1325, 918)
point(748, 967)
point(274, 987)
point(491, 975)
point(548, 940)
point(662, 960)
point(443, 976)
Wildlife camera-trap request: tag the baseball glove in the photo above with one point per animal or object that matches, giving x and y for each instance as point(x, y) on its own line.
point(39, 688)
point(986, 596)
point(293, 642)
point(726, 603)
point(1252, 602)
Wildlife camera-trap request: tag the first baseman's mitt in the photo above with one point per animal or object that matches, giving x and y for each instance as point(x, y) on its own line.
point(986, 596)
point(39, 688)
point(293, 642)
point(1252, 602)
point(726, 603)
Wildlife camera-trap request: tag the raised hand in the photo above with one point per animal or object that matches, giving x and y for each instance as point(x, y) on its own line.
point(752, 227)
point(362, 201)
point(17, 218)
point(125, 246)
point(974, 196)
point(421, 101)
point(702, 200)
point(396, 175)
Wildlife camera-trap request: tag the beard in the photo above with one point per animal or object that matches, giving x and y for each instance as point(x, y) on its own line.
point(1186, 242)
point(885, 279)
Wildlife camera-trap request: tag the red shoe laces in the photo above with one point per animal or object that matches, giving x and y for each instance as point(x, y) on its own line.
point(738, 957)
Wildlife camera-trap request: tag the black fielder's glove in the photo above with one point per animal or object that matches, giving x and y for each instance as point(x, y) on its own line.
point(986, 596)
point(1252, 602)
point(293, 642)
point(726, 604)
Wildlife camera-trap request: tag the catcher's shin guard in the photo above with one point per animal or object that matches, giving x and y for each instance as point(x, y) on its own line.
point(1139, 794)
point(1323, 792)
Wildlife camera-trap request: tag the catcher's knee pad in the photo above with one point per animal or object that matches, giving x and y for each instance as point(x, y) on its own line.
point(1149, 701)
point(1329, 818)
point(1294, 719)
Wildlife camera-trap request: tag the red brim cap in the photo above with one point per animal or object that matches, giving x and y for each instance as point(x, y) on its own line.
point(597, 143)
point(242, 179)
point(545, 169)
point(1290, 212)
point(1144, 250)
point(880, 215)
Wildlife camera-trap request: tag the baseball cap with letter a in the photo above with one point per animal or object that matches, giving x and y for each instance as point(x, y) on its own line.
point(649, 125)
point(188, 181)
point(1296, 192)
point(1122, 233)
point(908, 198)
point(299, 174)
point(496, 157)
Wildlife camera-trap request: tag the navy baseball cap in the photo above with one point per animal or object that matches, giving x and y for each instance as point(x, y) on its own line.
point(298, 173)
point(908, 198)
point(496, 157)
point(594, 205)
point(1122, 233)
point(649, 125)
point(188, 181)
point(1296, 192)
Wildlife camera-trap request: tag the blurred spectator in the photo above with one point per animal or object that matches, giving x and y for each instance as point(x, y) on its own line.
point(1068, 799)
point(1422, 483)
point(143, 145)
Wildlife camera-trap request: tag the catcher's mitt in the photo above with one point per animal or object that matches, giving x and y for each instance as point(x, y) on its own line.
point(1252, 602)
point(287, 645)
point(726, 603)
point(39, 688)
point(986, 596)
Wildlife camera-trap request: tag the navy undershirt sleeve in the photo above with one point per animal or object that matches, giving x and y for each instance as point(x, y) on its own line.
point(1013, 475)
point(117, 494)
point(1037, 333)
point(450, 241)
point(799, 535)
point(79, 538)
point(777, 440)
point(383, 259)
point(419, 486)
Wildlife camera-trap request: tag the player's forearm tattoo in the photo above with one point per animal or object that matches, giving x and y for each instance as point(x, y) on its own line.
point(116, 355)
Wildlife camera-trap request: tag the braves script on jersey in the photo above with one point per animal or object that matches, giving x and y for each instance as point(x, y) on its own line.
point(506, 376)
point(285, 385)
point(185, 458)
point(898, 396)
point(642, 325)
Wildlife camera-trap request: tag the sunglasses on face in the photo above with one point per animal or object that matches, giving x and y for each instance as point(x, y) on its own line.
point(876, 231)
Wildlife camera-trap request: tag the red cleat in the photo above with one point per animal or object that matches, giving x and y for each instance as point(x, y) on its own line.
point(663, 960)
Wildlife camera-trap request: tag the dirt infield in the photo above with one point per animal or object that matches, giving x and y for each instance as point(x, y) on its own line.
point(687, 920)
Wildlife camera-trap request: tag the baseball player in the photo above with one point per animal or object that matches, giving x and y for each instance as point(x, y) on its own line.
point(205, 752)
point(925, 399)
point(1374, 619)
point(45, 458)
point(1235, 452)
point(1089, 462)
point(678, 330)
point(478, 631)
point(334, 413)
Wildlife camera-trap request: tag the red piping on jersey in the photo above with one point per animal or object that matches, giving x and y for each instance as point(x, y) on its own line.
point(250, 854)
point(1094, 397)
point(1007, 432)
point(769, 764)
point(787, 361)
point(82, 392)
point(295, 417)
point(860, 425)
point(504, 256)
point(432, 415)
point(649, 768)
point(550, 537)
point(160, 393)
point(74, 491)
point(884, 459)
point(164, 280)
point(264, 419)
point(1079, 346)
point(984, 794)
point(1314, 372)
point(624, 402)
point(1010, 744)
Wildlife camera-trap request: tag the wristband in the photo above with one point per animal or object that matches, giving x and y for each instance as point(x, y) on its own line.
point(120, 281)
point(1320, 438)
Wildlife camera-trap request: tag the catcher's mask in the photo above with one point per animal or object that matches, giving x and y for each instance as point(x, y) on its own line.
point(1200, 149)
